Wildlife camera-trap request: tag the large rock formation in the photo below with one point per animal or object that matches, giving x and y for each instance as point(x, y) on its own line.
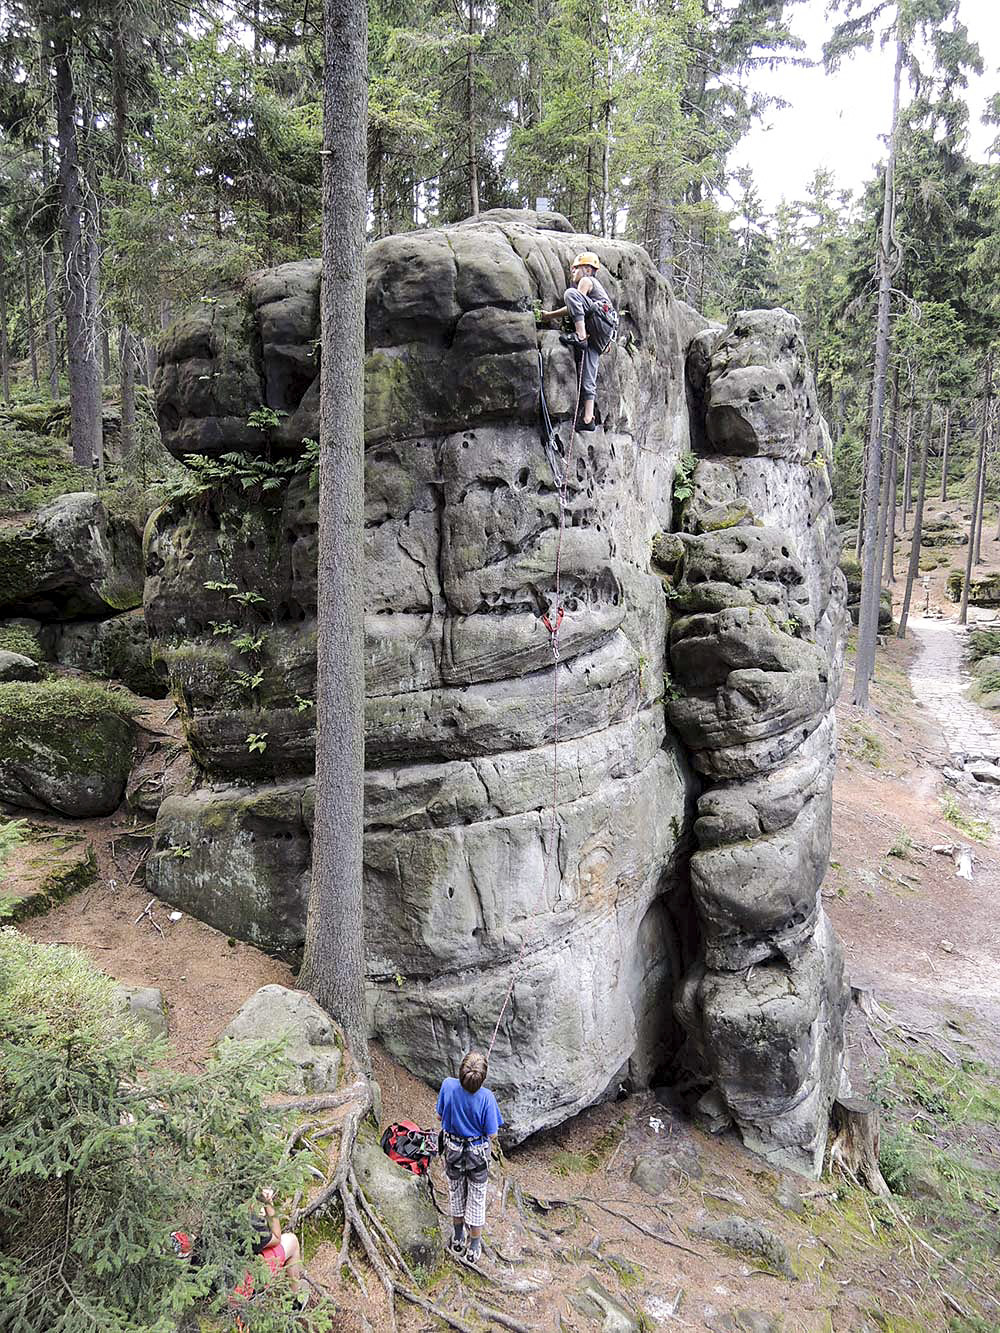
point(463, 515)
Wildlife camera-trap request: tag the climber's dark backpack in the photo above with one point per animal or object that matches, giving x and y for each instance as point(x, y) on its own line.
point(601, 323)
point(409, 1146)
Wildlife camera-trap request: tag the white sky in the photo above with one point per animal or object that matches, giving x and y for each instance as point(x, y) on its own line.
point(836, 120)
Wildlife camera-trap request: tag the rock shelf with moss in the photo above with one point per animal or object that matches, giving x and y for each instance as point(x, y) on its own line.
point(65, 746)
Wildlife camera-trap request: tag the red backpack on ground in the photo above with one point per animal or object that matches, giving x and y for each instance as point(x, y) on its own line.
point(409, 1146)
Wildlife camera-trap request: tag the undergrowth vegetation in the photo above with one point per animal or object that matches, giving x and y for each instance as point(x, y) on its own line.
point(108, 1151)
point(941, 1152)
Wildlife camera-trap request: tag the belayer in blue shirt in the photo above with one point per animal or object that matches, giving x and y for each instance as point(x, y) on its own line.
point(470, 1119)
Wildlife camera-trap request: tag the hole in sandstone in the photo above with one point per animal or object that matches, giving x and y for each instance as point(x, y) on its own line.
point(451, 891)
point(522, 477)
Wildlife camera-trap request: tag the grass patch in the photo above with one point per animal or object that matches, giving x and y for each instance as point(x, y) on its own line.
point(18, 639)
point(902, 847)
point(977, 829)
point(989, 683)
point(12, 835)
point(862, 743)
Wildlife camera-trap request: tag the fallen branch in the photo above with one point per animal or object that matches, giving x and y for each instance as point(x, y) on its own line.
point(499, 1317)
point(147, 911)
point(327, 1101)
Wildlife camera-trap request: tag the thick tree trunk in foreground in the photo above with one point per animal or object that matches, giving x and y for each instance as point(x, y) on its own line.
point(470, 76)
point(334, 964)
point(81, 342)
point(918, 518)
point(944, 452)
point(864, 666)
point(963, 610)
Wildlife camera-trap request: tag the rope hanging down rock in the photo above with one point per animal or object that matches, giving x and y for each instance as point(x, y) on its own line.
point(551, 622)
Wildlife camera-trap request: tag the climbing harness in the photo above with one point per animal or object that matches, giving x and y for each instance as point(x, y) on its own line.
point(551, 621)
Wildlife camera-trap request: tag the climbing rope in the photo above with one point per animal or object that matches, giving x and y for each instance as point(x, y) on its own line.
point(551, 622)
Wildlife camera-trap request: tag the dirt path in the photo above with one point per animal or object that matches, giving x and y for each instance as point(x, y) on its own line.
point(940, 681)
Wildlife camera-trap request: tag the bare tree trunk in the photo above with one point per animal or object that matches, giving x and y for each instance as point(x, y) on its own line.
point(911, 426)
point(84, 375)
point(980, 510)
point(334, 964)
point(126, 352)
point(864, 666)
point(889, 496)
point(4, 345)
point(96, 334)
point(944, 452)
point(963, 609)
point(29, 316)
point(470, 75)
point(860, 535)
point(51, 322)
point(918, 518)
point(606, 155)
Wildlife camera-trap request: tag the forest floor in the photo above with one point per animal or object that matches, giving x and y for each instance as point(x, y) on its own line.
point(923, 940)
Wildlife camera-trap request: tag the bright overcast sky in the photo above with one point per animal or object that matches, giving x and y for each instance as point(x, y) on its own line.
point(835, 120)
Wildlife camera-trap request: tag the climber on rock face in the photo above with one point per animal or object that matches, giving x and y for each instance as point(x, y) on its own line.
point(590, 308)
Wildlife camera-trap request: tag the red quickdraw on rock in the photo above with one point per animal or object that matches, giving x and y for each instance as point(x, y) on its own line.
point(554, 629)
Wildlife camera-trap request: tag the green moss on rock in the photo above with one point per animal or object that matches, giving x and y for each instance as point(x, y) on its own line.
point(18, 639)
point(65, 745)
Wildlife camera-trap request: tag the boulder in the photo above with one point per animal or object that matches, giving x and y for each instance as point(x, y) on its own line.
point(24, 636)
point(238, 858)
point(15, 667)
point(403, 1201)
point(593, 1300)
point(116, 648)
point(747, 1237)
point(145, 1006)
point(66, 746)
point(983, 591)
point(312, 1042)
point(69, 560)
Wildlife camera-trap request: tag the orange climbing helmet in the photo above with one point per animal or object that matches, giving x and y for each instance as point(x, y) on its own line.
point(586, 257)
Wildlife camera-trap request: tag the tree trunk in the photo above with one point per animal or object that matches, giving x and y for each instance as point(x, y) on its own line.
point(334, 963)
point(84, 375)
point(859, 538)
point(981, 505)
point(95, 333)
point(911, 418)
point(126, 352)
point(864, 665)
point(4, 345)
point(918, 518)
point(944, 452)
point(470, 75)
point(606, 152)
point(889, 495)
point(856, 1145)
point(51, 321)
point(29, 316)
point(963, 609)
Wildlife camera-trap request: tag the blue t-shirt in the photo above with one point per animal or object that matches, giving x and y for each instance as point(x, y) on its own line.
point(469, 1115)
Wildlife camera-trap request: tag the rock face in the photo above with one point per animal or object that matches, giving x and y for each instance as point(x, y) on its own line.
point(462, 509)
point(756, 655)
point(70, 559)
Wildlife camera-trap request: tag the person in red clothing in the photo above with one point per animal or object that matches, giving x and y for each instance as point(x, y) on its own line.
point(279, 1250)
point(470, 1119)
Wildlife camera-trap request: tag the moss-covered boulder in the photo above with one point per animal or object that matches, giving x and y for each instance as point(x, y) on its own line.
point(22, 637)
point(65, 746)
point(403, 1201)
point(115, 649)
point(984, 591)
point(71, 559)
point(15, 666)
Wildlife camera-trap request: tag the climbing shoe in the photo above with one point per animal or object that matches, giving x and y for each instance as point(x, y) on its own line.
point(586, 425)
point(457, 1244)
point(474, 1252)
point(571, 340)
